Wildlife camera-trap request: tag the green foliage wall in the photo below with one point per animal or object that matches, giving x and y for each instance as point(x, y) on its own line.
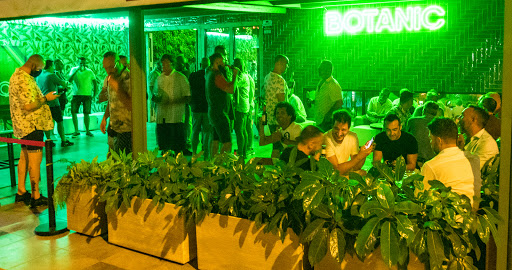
point(64, 41)
point(174, 43)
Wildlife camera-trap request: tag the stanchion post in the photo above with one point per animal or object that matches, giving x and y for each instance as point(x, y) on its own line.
point(49, 182)
point(10, 154)
point(53, 227)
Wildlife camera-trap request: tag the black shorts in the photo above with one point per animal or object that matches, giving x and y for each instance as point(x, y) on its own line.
point(79, 100)
point(56, 114)
point(123, 142)
point(36, 135)
point(221, 128)
point(171, 136)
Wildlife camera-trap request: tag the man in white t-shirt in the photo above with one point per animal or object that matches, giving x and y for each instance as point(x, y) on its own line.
point(379, 106)
point(450, 166)
point(342, 145)
point(286, 132)
point(171, 93)
point(85, 87)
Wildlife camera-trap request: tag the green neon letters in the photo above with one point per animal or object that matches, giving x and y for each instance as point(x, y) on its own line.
point(375, 20)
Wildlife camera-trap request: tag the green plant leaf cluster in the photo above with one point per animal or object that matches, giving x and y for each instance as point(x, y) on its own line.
point(332, 214)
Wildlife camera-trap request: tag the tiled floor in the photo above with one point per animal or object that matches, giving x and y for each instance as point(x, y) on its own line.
point(20, 248)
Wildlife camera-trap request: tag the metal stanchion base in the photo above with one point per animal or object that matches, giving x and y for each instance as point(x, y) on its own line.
point(45, 229)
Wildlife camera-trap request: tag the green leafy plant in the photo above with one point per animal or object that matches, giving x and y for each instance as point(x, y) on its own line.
point(84, 175)
point(225, 188)
point(490, 182)
point(333, 214)
point(163, 179)
point(387, 208)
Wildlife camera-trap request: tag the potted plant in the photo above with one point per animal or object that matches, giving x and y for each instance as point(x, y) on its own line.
point(355, 215)
point(271, 216)
point(79, 188)
point(221, 206)
point(141, 206)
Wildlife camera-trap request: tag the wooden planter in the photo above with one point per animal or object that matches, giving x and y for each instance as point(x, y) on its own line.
point(161, 234)
point(86, 214)
point(225, 242)
point(372, 262)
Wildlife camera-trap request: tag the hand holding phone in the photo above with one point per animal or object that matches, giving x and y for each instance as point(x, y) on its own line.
point(369, 143)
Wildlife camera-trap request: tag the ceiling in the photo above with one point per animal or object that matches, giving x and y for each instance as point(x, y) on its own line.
point(201, 8)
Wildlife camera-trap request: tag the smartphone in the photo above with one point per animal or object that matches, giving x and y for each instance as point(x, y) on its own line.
point(370, 143)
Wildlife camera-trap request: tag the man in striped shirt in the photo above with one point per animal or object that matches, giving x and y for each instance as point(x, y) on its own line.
point(328, 96)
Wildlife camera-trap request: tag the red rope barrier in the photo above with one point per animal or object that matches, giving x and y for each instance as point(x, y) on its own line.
point(24, 142)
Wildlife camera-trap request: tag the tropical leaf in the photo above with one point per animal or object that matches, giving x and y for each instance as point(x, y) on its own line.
point(389, 243)
point(435, 249)
point(318, 247)
point(400, 168)
point(367, 238)
point(405, 227)
point(371, 208)
point(385, 196)
point(312, 229)
point(337, 244)
point(408, 207)
point(313, 198)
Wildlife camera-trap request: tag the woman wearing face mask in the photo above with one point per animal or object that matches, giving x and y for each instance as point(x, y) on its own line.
point(30, 117)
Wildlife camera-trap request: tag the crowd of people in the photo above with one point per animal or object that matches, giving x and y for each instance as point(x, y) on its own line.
point(443, 139)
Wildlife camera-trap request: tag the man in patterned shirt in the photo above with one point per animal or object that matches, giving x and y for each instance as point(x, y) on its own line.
point(276, 89)
point(30, 116)
point(403, 110)
point(119, 108)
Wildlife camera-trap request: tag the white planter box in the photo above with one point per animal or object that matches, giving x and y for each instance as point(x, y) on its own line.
point(86, 214)
point(225, 242)
point(161, 234)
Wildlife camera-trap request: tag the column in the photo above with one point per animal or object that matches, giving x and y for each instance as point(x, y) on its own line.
point(138, 80)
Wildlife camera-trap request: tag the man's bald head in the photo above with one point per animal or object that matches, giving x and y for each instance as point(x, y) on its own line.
point(35, 60)
point(496, 96)
point(34, 65)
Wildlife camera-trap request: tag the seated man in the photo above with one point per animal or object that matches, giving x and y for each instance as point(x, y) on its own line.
point(392, 143)
point(417, 126)
point(379, 106)
point(287, 131)
point(299, 107)
point(480, 142)
point(403, 109)
point(432, 95)
point(309, 145)
point(342, 144)
point(450, 166)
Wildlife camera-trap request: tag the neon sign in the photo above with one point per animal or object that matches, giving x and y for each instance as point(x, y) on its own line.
point(374, 20)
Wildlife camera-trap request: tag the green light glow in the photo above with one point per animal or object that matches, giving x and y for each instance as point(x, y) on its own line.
point(380, 20)
point(78, 21)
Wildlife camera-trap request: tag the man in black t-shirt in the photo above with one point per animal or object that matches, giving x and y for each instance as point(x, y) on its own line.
point(392, 143)
point(199, 106)
point(217, 90)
